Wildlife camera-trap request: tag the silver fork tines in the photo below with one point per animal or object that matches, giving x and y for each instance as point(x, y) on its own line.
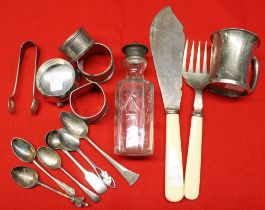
point(197, 79)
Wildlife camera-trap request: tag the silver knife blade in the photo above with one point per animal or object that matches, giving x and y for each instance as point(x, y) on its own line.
point(167, 43)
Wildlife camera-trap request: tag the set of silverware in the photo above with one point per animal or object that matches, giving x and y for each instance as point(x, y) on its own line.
point(230, 60)
point(58, 80)
point(227, 73)
point(24, 176)
point(66, 139)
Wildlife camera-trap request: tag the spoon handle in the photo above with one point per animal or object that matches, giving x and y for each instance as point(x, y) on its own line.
point(103, 175)
point(93, 165)
point(90, 177)
point(94, 197)
point(128, 175)
point(78, 201)
point(69, 190)
point(53, 190)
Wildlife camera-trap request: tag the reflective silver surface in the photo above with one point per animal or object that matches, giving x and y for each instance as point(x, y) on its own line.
point(74, 125)
point(52, 140)
point(55, 80)
point(11, 100)
point(85, 90)
point(23, 150)
point(28, 178)
point(49, 157)
point(52, 160)
point(231, 58)
point(106, 73)
point(67, 140)
point(167, 44)
point(77, 45)
point(26, 153)
point(196, 79)
point(78, 128)
point(25, 177)
point(72, 143)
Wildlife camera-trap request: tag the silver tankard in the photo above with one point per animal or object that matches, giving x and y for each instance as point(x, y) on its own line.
point(232, 54)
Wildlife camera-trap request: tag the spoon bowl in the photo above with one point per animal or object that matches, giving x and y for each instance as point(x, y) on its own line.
point(25, 177)
point(74, 124)
point(68, 141)
point(52, 140)
point(52, 160)
point(49, 157)
point(23, 150)
point(71, 143)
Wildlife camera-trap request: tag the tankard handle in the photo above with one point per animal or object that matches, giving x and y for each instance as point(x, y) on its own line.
point(255, 64)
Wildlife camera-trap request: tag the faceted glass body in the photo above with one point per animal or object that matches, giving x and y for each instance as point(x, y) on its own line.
point(134, 111)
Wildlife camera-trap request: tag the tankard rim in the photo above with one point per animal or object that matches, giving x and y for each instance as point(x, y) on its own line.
point(237, 29)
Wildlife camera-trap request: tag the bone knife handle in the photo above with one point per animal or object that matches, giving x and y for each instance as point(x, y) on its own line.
point(193, 167)
point(174, 187)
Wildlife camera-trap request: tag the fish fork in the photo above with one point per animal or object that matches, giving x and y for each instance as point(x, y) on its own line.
point(197, 80)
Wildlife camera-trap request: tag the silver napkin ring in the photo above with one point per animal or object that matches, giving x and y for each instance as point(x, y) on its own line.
point(105, 74)
point(79, 46)
point(98, 115)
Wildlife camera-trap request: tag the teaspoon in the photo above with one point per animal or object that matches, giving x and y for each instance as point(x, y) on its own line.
point(28, 178)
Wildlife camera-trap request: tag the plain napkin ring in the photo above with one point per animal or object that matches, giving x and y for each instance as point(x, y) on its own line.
point(85, 89)
point(105, 74)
